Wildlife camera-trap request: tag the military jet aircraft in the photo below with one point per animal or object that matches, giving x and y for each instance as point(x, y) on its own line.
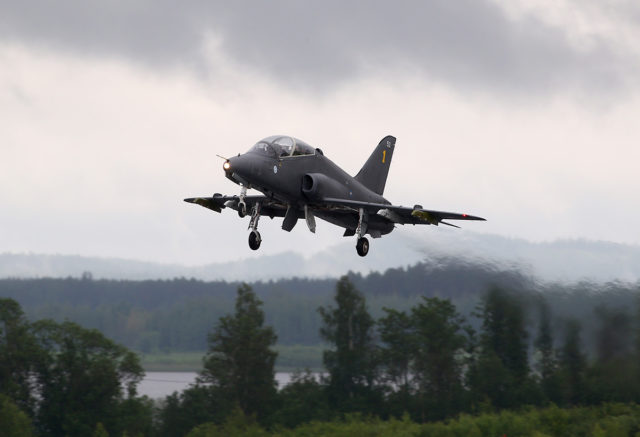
point(299, 182)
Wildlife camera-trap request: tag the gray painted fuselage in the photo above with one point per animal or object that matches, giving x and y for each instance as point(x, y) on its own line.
point(298, 181)
point(282, 178)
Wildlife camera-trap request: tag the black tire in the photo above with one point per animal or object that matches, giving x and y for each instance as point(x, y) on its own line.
point(362, 247)
point(254, 240)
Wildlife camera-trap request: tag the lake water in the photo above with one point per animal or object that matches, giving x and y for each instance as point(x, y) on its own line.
point(161, 384)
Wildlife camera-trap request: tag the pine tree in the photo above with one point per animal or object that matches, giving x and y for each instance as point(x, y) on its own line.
point(612, 376)
point(396, 356)
point(18, 353)
point(503, 368)
point(239, 365)
point(547, 361)
point(352, 362)
point(437, 365)
point(573, 364)
point(396, 333)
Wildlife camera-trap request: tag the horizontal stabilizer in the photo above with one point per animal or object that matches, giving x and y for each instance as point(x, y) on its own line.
point(401, 214)
point(207, 202)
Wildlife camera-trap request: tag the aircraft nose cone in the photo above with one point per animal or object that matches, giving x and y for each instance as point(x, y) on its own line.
point(234, 165)
point(237, 168)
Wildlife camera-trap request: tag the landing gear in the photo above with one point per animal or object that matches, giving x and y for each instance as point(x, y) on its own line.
point(242, 206)
point(254, 240)
point(362, 247)
point(254, 237)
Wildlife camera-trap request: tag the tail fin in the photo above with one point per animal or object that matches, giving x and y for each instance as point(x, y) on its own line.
point(373, 174)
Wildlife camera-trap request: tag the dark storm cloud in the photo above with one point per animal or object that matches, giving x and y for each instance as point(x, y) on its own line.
point(467, 44)
point(156, 32)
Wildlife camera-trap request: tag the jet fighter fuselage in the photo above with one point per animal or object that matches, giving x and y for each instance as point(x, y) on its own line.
point(298, 181)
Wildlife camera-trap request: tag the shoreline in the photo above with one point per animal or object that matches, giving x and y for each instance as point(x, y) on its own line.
point(291, 358)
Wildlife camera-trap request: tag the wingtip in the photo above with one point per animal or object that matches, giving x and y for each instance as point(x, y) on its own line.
point(473, 217)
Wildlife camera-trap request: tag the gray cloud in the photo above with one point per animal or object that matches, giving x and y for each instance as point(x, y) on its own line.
point(142, 31)
point(470, 45)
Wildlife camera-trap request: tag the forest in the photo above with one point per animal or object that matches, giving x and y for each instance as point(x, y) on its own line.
point(163, 317)
point(516, 364)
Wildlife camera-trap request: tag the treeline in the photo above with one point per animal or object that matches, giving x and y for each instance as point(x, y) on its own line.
point(156, 317)
point(170, 315)
point(421, 371)
point(427, 364)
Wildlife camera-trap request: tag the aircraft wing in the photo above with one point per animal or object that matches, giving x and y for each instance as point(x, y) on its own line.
point(396, 214)
point(402, 214)
point(218, 202)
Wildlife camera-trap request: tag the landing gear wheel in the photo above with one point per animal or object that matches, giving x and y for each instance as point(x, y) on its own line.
point(254, 240)
point(362, 246)
point(242, 209)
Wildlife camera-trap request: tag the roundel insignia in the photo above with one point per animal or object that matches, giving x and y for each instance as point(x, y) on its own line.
point(275, 169)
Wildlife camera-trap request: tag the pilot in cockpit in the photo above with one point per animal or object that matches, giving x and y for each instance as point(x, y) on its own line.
point(283, 147)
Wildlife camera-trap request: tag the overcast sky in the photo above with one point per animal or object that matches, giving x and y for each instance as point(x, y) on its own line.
point(523, 112)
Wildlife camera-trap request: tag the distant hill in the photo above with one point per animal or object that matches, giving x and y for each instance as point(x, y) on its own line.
point(564, 260)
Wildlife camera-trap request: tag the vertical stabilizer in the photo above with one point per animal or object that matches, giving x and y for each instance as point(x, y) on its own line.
point(373, 174)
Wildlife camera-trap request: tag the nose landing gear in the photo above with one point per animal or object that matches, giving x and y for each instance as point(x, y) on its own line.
point(242, 206)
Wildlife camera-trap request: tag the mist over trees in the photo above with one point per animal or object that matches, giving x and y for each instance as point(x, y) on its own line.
point(156, 317)
point(484, 353)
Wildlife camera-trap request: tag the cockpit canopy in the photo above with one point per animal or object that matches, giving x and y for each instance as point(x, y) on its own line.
point(283, 146)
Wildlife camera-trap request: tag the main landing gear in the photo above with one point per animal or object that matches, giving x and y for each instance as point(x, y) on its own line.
point(362, 246)
point(254, 237)
point(254, 240)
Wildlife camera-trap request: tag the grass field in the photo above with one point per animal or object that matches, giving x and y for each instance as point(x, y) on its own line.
point(290, 358)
